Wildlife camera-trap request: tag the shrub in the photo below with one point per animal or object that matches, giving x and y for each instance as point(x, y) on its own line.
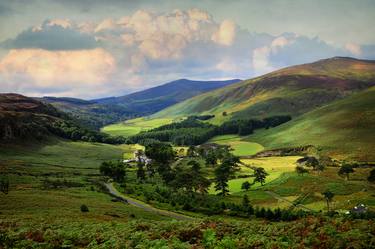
point(84, 208)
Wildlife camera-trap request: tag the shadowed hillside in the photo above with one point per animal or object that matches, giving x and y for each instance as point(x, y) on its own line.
point(157, 98)
point(23, 117)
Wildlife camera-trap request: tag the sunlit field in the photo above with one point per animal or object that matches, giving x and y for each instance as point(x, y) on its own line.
point(134, 126)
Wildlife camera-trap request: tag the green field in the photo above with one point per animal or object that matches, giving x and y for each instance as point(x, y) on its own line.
point(134, 126)
point(283, 181)
point(239, 146)
point(76, 162)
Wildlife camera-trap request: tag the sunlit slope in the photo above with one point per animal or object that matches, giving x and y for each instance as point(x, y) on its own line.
point(294, 90)
point(343, 129)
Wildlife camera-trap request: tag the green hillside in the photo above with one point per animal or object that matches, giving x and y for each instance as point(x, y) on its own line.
point(343, 129)
point(294, 91)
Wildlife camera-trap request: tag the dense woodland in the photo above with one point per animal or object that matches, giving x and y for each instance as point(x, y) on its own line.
point(192, 131)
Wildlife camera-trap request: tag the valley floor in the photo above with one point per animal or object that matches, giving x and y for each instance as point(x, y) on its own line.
point(50, 182)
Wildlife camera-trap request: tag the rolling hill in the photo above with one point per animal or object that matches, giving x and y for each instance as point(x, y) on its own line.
point(99, 112)
point(293, 91)
point(343, 129)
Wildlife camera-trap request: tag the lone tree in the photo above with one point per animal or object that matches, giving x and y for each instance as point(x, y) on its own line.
point(345, 170)
point(301, 170)
point(371, 177)
point(260, 175)
point(246, 185)
point(211, 158)
point(224, 171)
point(141, 174)
point(328, 195)
point(246, 206)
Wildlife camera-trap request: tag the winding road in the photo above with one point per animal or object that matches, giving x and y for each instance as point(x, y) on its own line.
point(113, 191)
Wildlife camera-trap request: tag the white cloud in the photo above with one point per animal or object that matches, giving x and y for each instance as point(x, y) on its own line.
point(353, 48)
point(226, 33)
point(58, 71)
point(261, 60)
point(117, 55)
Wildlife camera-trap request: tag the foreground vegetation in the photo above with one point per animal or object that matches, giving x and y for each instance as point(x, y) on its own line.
point(311, 232)
point(50, 184)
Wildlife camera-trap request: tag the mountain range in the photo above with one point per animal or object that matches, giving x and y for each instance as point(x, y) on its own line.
point(331, 103)
point(99, 112)
point(293, 91)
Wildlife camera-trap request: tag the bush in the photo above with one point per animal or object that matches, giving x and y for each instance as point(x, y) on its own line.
point(84, 208)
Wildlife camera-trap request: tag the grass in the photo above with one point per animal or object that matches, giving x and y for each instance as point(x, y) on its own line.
point(28, 166)
point(283, 181)
point(293, 90)
point(274, 166)
point(134, 126)
point(330, 129)
point(239, 146)
point(33, 217)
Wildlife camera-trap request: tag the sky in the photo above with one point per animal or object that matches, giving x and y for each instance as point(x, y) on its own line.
point(92, 48)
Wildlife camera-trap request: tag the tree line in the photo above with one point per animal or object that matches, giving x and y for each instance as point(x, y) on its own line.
point(72, 131)
point(192, 131)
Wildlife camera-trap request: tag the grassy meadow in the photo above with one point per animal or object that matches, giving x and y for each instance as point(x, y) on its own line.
point(134, 126)
point(329, 129)
point(240, 147)
point(75, 162)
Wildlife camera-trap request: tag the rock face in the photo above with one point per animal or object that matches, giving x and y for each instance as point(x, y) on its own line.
point(22, 117)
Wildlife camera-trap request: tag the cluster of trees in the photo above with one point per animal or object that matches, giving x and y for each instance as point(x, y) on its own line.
point(192, 131)
point(311, 162)
point(115, 170)
point(247, 126)
point(69, 130)
point(279, 214)
point(187, 132)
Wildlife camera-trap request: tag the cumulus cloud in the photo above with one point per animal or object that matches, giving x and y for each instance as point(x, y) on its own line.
point(353, 48)
point(57, 72)
point(226, 33)
point(114, 56)
point(56, 34)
